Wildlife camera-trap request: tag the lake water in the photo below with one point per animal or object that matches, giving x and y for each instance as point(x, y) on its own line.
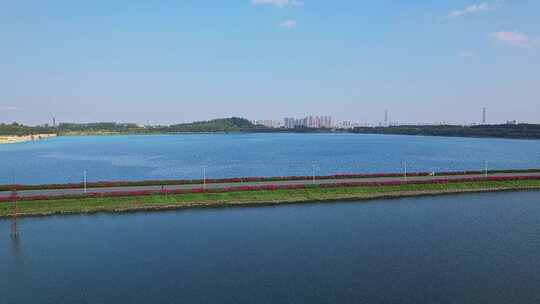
point(63, 159)
point(480, 248)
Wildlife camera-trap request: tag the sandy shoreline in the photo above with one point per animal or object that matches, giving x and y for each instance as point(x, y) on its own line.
point(17, 139)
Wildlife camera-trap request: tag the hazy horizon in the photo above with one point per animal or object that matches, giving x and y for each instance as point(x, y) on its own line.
point(163, 63)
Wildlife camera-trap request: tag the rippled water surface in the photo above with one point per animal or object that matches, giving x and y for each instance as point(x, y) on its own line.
point(64, 159)
point(480, 248)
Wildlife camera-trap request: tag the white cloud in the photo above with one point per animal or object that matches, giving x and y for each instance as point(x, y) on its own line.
point(278, 3)
point(475, 8)
point(513, 38)
point(288, 24)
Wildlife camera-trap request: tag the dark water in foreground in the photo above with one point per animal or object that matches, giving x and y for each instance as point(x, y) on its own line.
point(481, 248)
point(63, 159)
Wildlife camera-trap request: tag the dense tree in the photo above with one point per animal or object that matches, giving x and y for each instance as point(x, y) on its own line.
point(525, 131)
point(233, 124)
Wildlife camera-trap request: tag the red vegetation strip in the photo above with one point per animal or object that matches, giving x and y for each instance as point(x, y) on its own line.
point(267, 188)
point(110, 184)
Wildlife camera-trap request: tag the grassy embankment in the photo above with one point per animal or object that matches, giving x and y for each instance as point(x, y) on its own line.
point(252, 198)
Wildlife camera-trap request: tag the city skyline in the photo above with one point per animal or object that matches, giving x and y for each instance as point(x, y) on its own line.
point(167, 63)
point(309, 121)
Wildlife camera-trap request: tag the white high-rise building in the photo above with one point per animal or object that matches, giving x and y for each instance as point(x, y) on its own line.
point(308, 122)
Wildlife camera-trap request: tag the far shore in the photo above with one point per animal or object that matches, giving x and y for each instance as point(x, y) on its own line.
point(18, 139)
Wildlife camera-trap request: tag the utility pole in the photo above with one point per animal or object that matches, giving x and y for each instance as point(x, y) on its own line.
point(204, 177)
point(405, 170)
point(14, 232)
point(84, 181)
point(486, 169)
point(313, 175)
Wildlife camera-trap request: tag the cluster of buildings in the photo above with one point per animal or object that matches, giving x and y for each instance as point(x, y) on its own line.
point(326, 122)
point(309, 122)
point(312, 122)
point(315, 122)
point(347, 124)
point(268, 123)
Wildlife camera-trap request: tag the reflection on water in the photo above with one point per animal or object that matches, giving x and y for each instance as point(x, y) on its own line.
point(16, 247)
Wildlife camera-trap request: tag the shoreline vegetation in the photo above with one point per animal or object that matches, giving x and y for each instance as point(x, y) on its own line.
point(4, 139)
point(241, 125)
point(165, 201)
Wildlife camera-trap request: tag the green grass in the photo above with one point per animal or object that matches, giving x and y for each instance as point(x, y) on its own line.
point(91, 205)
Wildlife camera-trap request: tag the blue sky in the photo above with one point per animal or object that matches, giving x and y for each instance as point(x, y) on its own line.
point(175, 61)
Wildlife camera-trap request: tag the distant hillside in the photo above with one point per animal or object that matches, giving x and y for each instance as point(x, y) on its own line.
point(518, 131)
point(233, 124)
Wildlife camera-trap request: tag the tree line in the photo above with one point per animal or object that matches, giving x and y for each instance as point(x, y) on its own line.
point(518, 131)
point(235, 124)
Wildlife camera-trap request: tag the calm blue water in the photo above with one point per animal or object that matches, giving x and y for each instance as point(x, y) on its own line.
point(64, 159)
point(480, 248)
